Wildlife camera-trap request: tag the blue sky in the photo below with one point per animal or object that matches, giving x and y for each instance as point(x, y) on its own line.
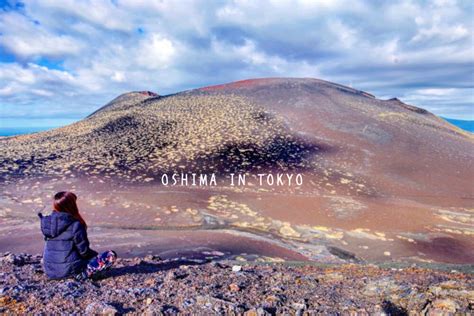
point(61, 60)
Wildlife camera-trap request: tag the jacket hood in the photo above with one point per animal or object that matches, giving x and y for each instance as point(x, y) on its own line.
point(53, 225)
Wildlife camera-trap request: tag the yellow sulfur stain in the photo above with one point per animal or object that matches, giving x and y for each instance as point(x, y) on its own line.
point(322, 228)
point(288, 231)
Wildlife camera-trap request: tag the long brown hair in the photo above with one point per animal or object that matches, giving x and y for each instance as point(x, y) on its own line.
point(66, 202)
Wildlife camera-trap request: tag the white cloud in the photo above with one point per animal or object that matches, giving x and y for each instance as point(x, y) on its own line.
point(155, 52)
point(437, 92)
point(24, 38)
point(100, 49)
point(42, 92)
point(104, 14)
point(118, 76)
point(33, 79)
point(448, 102)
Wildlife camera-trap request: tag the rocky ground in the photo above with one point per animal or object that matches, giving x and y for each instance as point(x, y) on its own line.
point(151, 285)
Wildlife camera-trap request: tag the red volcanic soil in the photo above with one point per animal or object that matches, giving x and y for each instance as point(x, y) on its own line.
point(249, 83)
point(253, 83)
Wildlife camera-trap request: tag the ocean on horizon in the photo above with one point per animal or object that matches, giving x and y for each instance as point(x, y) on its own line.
point(11, 131)
point(462, 124)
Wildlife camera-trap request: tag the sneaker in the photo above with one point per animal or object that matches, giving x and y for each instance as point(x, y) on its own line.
point(81, 276)
point(98, 275)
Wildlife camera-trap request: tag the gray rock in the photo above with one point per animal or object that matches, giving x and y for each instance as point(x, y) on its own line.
point(100, 308)
point(216, 304)
point(188, 302)
point(158, 309)
point(4, 290)
point(263, 312)
point(152, 258)
point(13, 259)
point(176, 275)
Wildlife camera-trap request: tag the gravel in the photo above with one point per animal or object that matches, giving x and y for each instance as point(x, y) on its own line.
point(153, 286)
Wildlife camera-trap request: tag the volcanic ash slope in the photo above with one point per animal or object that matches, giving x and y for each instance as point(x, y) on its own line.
point(283, 124)
point(375, 171)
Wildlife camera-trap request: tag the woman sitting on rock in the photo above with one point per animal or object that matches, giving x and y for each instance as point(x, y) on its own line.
point(67, 252)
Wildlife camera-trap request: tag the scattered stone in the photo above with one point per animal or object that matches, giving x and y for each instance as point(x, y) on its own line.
point(236, 268)
point(270, 289)
point(218, 264)
point(17, 260)
point(150, 282)
point(169, 310)
point(298, 306)
point(176, 275)
point(216, 304)
point(443, 306)
point(257, 312)
point(234, 287)
point(100, 308)
point(188, 302)
point(4, 290)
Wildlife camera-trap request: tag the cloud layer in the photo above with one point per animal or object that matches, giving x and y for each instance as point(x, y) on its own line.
point(63, 59)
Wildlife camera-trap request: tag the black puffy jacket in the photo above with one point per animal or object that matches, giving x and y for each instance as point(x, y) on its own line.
point(67, 250)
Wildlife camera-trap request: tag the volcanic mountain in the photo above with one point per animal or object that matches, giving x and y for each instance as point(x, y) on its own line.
point(383, 180)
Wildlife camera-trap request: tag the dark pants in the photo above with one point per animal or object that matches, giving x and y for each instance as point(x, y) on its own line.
point(100, 262)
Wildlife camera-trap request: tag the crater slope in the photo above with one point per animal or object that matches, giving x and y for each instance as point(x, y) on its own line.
point(383, 180)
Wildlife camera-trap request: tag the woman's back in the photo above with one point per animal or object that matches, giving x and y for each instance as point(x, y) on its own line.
point(67, 252)
point(67, 248)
